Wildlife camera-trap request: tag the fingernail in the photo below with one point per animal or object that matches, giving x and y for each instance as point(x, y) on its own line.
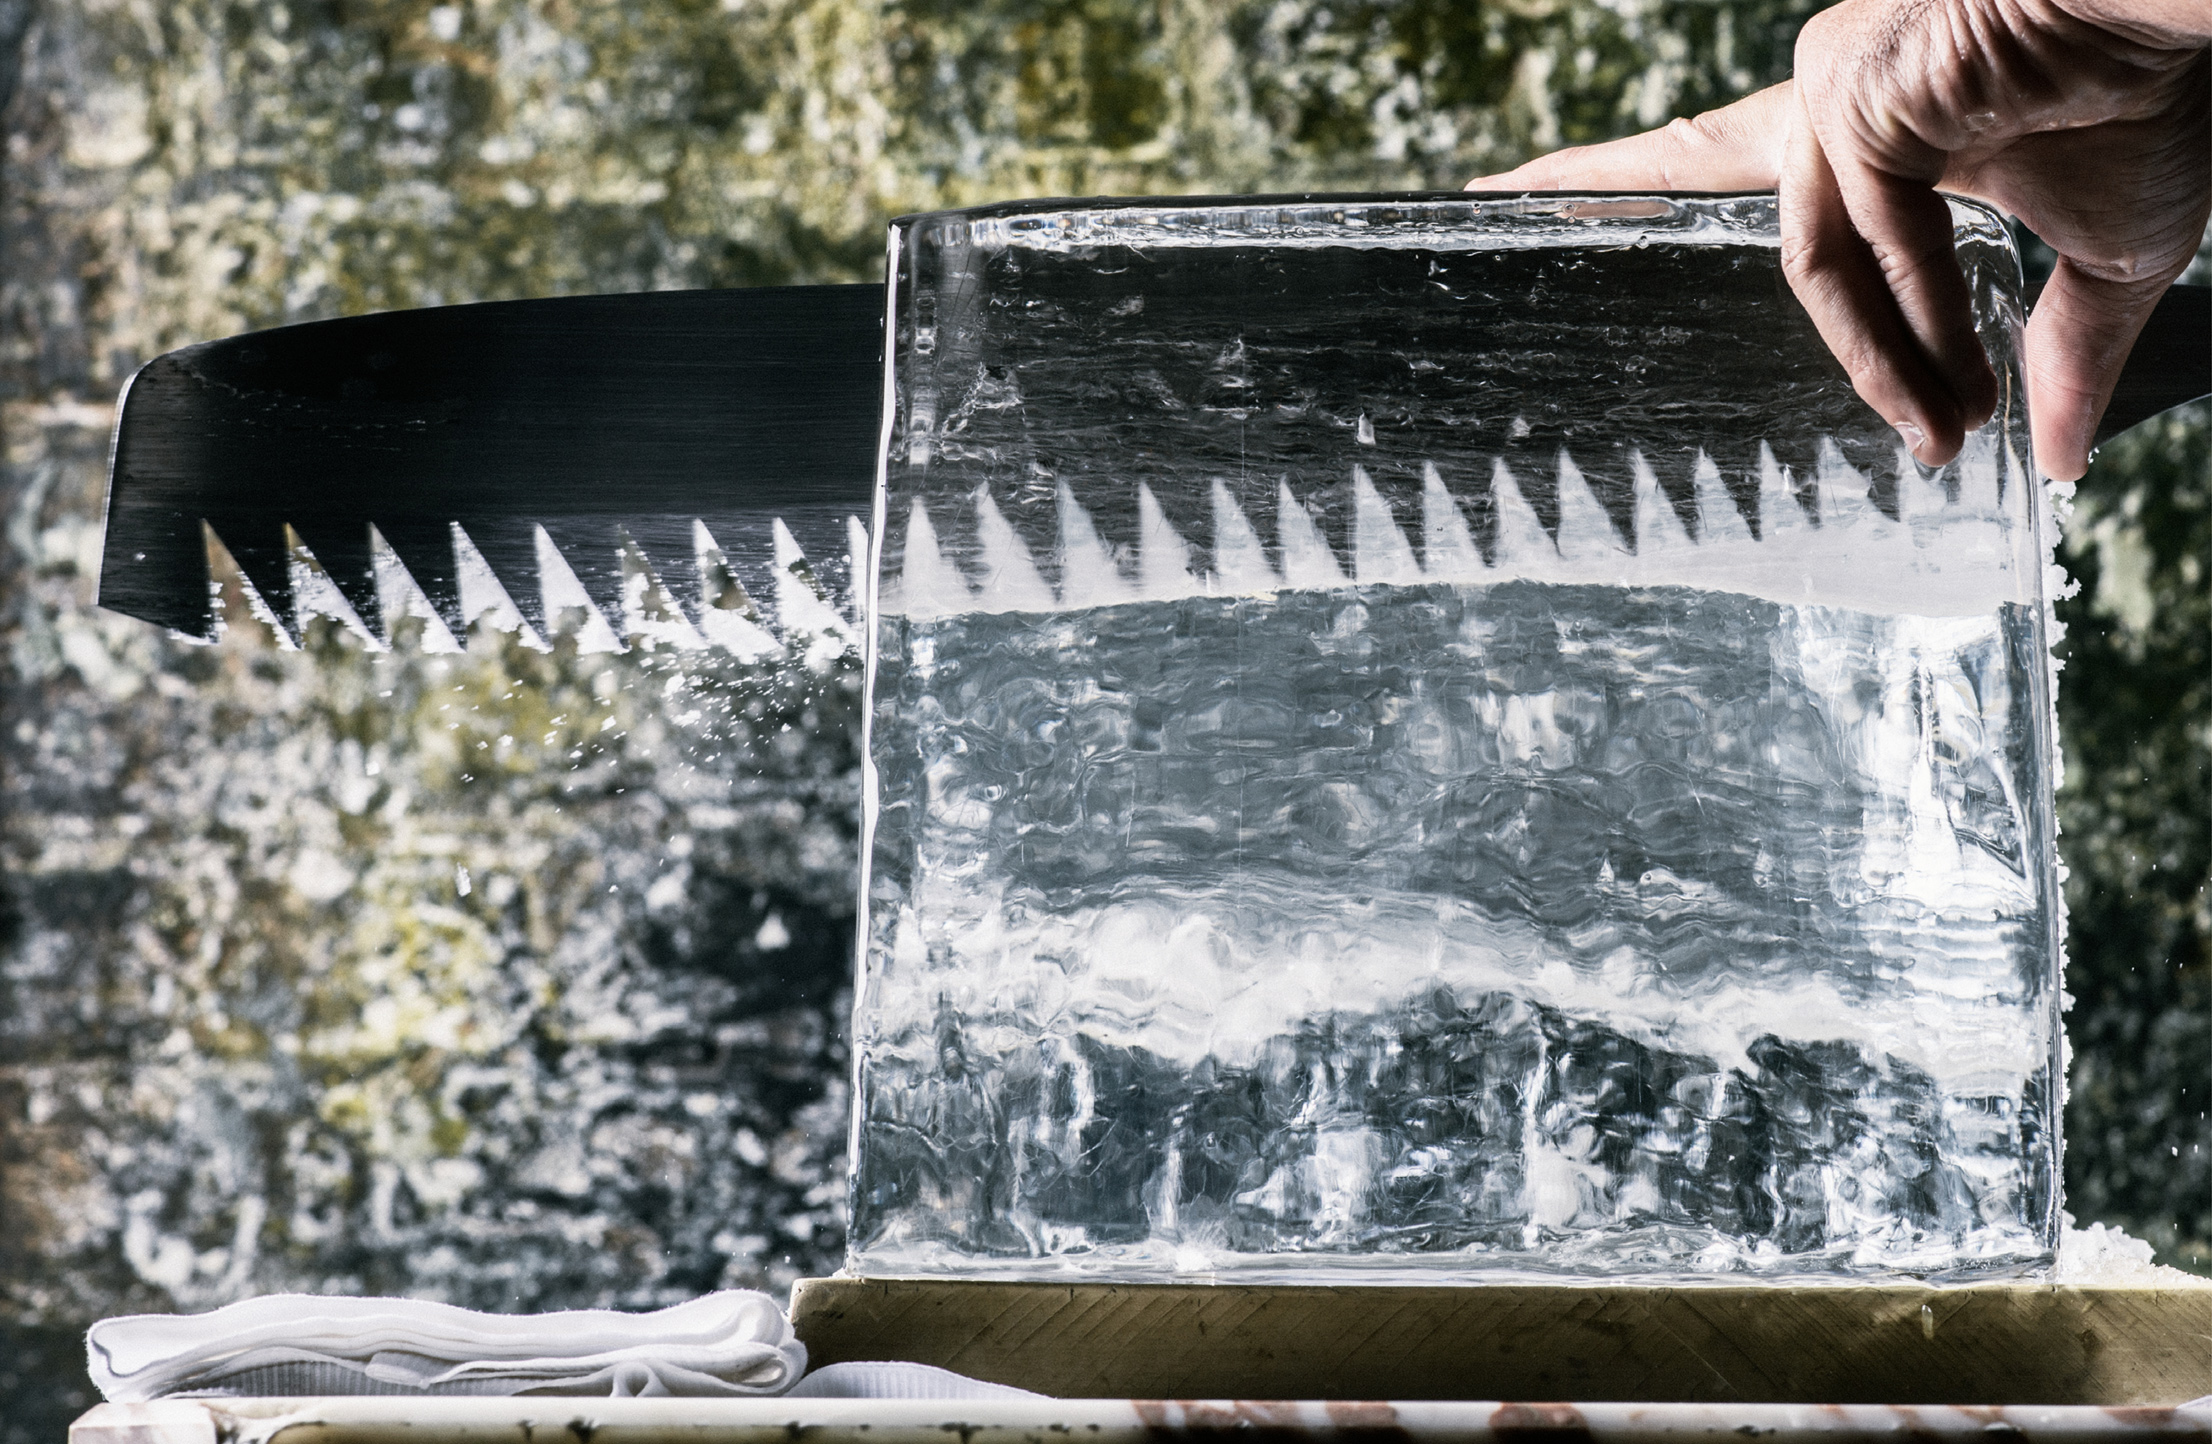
point(1915, 438)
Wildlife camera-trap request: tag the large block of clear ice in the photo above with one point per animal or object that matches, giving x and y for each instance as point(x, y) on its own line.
point(1420, 735)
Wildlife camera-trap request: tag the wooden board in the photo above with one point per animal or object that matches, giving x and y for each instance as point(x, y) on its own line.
point(1980, 1344)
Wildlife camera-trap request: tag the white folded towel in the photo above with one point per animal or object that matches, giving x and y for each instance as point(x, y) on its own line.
point(734, 1342)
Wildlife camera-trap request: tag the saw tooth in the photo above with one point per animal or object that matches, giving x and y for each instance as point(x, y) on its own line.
point(485, 554)
point(738, 635)
point(727, 616)
point(1309, 564)
point(1240, 557)
point(1607, 472)
point(660, 543)
point(755, 549)
point(399, 596)
point(347, 555)
point(1798, 452)
point(426, 550)
point(1163, 557)
point(1448, 548)
point(1089, 569)
point(1873, 456)
point(718, 586)
point(1923, 488)
point(1521, 540)
point(315, 593)
point(1588, 532)
point(1011, 581)
point(589, 550)
point(1659, 526)
point(1734, 464)
point(562, 590)
point(1781, 504)
point(746, 545)
point(1531, 458)
point(1380, 551)
point(653, 617)
point(824, 535)
point(263, 556)
point(1846, 496)
point(1675, 469)
point(928, 585)
point(1719, 517)
point(802, 604)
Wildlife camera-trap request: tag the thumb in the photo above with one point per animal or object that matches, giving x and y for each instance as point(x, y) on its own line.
point(2078, 339)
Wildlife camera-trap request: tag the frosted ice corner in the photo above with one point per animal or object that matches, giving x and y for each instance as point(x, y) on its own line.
point(1419, 734)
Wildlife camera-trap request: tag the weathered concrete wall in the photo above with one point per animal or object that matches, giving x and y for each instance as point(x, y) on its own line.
point(253, 1036)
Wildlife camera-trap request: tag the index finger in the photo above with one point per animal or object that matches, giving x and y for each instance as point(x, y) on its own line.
point(1736, 148)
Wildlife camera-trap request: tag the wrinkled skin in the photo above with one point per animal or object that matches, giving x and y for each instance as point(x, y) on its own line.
point(2090, 120)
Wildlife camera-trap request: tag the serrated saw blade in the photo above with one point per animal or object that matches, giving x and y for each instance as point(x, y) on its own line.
point(723, 441)
point(459, 438)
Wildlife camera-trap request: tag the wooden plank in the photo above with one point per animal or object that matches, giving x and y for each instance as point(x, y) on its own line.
point(2009, 1343)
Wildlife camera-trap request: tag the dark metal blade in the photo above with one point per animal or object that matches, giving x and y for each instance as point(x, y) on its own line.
point(2170, 365)
point(601, 418)
point(582, 414)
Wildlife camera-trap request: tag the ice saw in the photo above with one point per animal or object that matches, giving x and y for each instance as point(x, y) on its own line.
point(738, 426)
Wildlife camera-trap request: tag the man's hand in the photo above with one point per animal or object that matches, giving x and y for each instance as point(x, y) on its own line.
point(2090, 120)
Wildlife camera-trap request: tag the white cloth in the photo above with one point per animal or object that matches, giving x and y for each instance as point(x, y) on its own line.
point(887, 1380)
point(734, 1342)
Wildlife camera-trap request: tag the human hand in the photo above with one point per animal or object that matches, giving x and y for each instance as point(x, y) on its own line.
point(2090, 120)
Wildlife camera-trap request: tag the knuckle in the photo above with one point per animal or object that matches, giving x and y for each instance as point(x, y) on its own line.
point(1678, 143)
point(1706, 129)
point(1821, 44)
point(1819, 32)
point(1806, 255)
point(1904, 263)
point(2128, 267)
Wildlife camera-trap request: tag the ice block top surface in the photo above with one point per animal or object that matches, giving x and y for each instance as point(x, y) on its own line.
point(1244, 395)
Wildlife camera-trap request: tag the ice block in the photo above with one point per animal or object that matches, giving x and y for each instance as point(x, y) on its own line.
point(1416, 736)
